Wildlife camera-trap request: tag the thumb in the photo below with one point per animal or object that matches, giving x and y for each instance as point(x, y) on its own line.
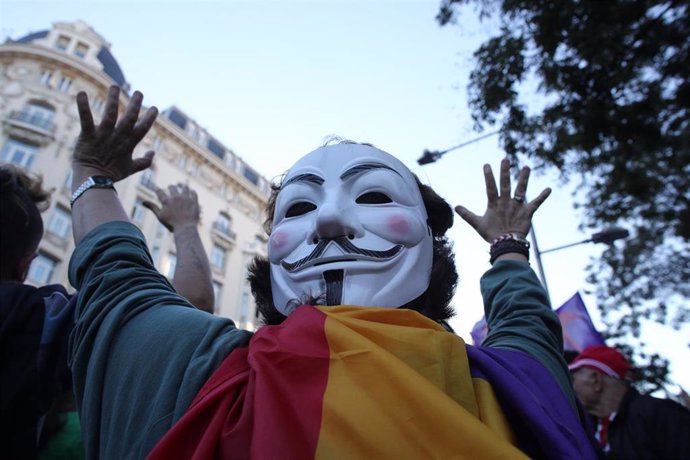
point(467, 215)
point(142, 163)
point(157, 211)
point(154, 208)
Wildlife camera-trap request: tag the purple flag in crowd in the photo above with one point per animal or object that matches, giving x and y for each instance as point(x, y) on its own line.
point(578, 330)
point(479, 331)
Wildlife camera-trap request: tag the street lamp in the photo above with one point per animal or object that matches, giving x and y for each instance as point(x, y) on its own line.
point(429, 156)
point(606, 236)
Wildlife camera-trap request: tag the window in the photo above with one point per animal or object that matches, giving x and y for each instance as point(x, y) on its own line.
point(41, 270)
point(217, 294)
point(18, 152)
point(251, 175)
point(218, 256)
point(216, 148)
point(62, 42)
point(65, 84)
point(169, 265)
point(147, 179)
point(177, 118)
point(182, 161)
point(223, 224)
point(138, 212)
point(81, 49)
point(46, 77)
point(98, 103)
point(60, 222)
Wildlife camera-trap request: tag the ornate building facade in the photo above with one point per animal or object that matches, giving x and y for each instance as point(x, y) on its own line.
point(40, 75)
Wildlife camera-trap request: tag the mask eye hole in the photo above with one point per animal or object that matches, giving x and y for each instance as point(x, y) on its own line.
point(373, 198)
point(300, 208)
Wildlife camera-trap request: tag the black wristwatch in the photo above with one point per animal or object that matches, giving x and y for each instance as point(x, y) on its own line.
point(91, 182)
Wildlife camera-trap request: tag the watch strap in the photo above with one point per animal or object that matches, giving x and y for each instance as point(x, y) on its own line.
point(89, 183)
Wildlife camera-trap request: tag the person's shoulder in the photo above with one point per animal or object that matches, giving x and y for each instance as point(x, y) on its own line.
point(649, 403)
point(18, 293)
point(50, 289)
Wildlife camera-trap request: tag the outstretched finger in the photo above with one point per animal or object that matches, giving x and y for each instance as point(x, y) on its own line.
point(523, 180)
point(129, 119)
point(144, 124)
point(85, 116)
point(491, 190)
point(505, 178)
point(111, 105)
point(142, 163)
point(535, 203)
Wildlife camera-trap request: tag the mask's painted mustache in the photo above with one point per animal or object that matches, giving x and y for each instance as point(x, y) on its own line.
point(346, 246)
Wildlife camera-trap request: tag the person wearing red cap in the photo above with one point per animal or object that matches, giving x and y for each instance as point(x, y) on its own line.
point(629, 425)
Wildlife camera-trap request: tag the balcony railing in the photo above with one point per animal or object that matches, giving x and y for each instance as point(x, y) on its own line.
point(39, 121)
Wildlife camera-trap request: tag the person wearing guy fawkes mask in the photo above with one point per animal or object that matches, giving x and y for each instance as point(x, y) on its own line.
point(353, 363)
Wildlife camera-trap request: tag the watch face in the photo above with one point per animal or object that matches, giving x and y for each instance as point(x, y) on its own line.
point(101, 180)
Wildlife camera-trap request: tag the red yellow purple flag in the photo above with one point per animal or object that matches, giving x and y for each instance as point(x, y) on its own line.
point(344, 382)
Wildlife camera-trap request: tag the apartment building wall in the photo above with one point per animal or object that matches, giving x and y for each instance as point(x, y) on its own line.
point(40, 75)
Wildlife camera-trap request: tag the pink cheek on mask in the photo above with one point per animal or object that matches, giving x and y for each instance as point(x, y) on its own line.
point(398, 225)
point(278, 241)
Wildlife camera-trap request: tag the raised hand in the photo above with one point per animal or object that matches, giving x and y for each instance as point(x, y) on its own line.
point(107, 149)
point(504, 213)
point(180, 213)
point(179, 207)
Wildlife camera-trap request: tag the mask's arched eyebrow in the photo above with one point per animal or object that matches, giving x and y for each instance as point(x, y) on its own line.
point(364, 167)
point(313, 178)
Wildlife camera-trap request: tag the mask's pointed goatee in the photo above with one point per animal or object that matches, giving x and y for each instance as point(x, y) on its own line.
point(334, 286)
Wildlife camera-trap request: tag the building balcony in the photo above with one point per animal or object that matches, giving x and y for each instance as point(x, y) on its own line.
point(30, 126)
point(38, 121)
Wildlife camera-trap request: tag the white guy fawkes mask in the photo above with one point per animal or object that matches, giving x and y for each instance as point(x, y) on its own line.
point(350, 227)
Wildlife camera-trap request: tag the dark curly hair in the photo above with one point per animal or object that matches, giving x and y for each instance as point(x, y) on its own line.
point(22, 198)
point(433, 303)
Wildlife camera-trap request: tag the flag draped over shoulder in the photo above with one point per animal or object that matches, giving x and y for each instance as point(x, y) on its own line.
point(348, 382)
point(578, 329)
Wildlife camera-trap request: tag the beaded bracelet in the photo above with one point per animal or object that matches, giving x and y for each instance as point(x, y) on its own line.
point(508, 243)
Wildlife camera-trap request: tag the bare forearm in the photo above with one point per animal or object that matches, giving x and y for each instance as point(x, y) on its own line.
point(192, 278)
point(94, 207)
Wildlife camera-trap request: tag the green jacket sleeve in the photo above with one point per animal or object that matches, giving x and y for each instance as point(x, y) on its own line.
point(139, 352)
point(519, 317)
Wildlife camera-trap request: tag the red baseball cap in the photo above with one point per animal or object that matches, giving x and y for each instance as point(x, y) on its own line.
point(603, 359)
